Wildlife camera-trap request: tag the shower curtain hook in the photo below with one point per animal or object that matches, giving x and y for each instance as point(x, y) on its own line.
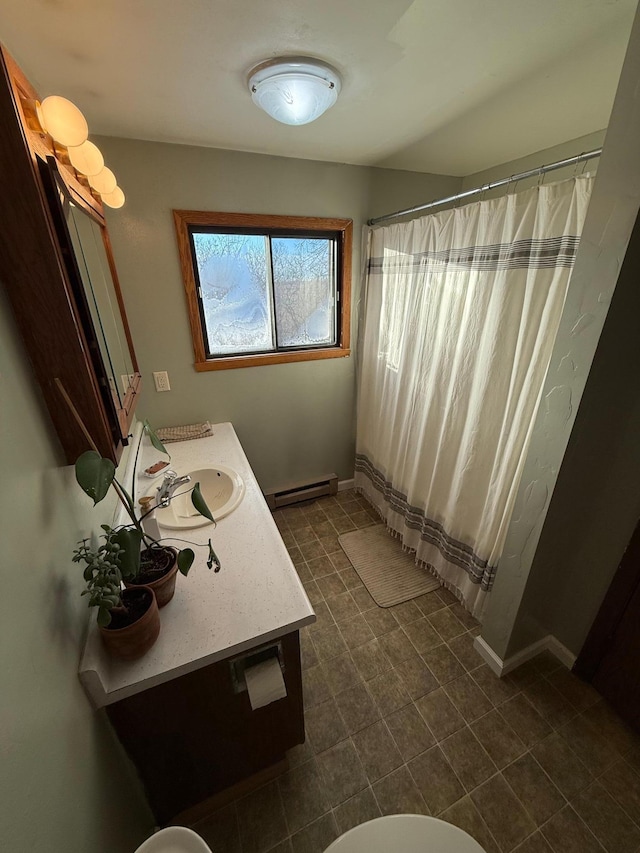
point(540, 176)
point(577, 166)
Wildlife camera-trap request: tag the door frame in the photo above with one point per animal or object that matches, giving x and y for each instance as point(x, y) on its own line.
point(623, 586)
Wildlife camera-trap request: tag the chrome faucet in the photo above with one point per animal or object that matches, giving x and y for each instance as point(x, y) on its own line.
point(170, 483)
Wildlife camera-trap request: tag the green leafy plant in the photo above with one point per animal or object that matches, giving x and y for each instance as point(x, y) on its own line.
point(120, 556)
point(102, 575)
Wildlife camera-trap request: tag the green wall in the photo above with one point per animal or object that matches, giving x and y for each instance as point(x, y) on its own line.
point(556, 588)
point(532, 161)
point(596, 502)
point(394, 189)
point(65, 784)
point(295, 421)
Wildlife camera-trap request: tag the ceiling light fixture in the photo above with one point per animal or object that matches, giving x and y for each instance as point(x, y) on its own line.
point(294, 89)
point(63, 130)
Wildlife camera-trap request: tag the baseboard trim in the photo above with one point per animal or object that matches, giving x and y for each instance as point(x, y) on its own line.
point(502, 667)
point(566, 657)
point(345, 485)
point(495, 664)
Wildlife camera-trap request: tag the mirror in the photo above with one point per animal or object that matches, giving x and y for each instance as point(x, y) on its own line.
point(83, 239)
point(93, 264)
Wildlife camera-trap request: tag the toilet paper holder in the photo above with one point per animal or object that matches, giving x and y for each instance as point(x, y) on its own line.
point(238, 664)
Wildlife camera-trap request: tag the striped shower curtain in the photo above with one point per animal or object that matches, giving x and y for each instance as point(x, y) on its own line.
point(460, 316)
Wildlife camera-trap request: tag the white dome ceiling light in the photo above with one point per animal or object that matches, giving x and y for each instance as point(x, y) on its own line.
point(294, 89)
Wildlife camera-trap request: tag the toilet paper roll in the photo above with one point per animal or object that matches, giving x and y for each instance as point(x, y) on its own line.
point(265, 683)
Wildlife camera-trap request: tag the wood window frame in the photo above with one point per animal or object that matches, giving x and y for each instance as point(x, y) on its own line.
point(186, 219)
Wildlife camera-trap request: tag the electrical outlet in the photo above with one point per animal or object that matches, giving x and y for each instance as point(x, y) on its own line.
point(161, 379)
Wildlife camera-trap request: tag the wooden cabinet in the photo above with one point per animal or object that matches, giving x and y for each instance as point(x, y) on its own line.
point(47, 279)
point(197, 735)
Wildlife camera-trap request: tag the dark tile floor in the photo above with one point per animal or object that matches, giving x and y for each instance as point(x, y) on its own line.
point(403, 716)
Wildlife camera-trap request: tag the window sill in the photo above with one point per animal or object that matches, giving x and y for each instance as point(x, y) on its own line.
point(270, 358)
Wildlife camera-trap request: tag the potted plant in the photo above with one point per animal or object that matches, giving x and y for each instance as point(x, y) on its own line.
point(128, 619)
point(129, 554)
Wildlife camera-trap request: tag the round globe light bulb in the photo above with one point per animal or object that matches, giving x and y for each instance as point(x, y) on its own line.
point(86, 158)
point(104, 182)
point(114, 199)
point(63, 120)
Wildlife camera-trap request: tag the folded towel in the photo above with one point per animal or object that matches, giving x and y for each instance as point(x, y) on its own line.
point(184, 433)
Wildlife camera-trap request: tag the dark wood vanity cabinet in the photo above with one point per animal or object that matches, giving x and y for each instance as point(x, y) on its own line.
point(196, 735)
point(46, 283)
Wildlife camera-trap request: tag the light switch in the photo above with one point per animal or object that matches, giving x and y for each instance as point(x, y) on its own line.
point(161, 379)
point(126, 379)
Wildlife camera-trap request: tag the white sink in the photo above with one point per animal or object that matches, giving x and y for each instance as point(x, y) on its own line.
point(222, 488)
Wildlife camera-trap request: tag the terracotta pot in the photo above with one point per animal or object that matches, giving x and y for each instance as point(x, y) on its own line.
point(134, 640)
point(165, 586)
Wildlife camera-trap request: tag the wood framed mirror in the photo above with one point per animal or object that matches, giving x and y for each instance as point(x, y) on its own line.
point(57, 267)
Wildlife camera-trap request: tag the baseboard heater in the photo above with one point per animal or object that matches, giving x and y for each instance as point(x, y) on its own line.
point(300, 492)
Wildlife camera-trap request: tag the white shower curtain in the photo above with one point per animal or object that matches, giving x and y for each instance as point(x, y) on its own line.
point(461, 312)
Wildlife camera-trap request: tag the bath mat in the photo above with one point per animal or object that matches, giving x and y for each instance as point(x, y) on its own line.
point(388, 572)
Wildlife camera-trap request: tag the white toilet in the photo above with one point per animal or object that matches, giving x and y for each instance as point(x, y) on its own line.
point(402, 833)
point(174, 839)
point(405, 833)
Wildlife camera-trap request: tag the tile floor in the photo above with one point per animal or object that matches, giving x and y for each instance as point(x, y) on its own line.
point(403, 716)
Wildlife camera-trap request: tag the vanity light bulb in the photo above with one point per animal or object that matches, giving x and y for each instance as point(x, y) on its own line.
point(104, 182)
point(114, 199)
point(86, 158)
point(63, 120)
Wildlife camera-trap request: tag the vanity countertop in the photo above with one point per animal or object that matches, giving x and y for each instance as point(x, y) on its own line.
point(256, 597)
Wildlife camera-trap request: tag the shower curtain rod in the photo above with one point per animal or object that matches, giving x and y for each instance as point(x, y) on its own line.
point(531, 173)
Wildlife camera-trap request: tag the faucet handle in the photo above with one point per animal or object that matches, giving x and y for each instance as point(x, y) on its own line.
point(163, 492)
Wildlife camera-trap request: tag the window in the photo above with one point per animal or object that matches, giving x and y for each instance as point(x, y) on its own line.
point(265, 289)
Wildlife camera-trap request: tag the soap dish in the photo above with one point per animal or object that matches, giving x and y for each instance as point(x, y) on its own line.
point(155, 470)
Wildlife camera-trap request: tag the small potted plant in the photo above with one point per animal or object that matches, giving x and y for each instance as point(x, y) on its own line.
point(142, 563)
point(128, 619)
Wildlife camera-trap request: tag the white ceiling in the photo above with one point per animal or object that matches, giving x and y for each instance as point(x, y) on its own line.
point(445, 86)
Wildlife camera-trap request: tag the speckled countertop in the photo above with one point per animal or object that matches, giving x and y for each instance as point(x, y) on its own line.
point(256, 597)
